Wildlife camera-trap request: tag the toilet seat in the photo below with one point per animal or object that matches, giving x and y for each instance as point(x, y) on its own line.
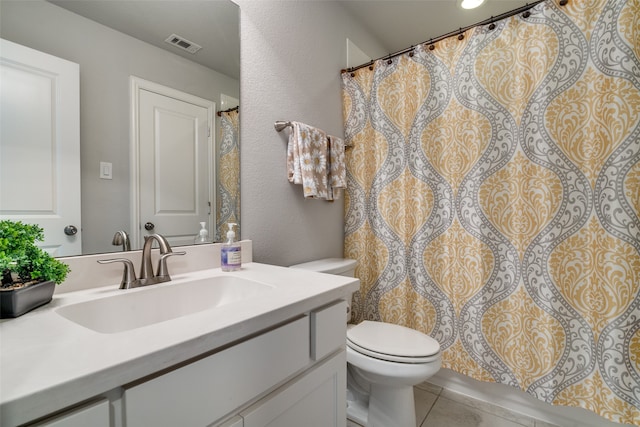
point(392, 343)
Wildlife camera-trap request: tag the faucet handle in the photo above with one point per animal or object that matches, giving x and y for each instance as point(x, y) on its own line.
point(128, 275)
point(163, 271)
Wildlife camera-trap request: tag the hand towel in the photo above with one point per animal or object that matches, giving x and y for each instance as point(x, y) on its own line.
point(337, 167)
point(307, 160)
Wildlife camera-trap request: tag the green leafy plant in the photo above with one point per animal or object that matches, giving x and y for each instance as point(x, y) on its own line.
point(21, 261)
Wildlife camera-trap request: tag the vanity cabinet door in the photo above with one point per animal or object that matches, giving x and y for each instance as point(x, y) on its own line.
point(95, 414)
point(317, 398)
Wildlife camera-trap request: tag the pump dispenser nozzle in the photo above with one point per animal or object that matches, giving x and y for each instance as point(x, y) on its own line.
point(231, 234)
point(203, 234)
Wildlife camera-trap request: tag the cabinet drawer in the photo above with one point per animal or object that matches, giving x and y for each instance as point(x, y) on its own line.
point(328, 329)
point(94, 414)
point(204, 391)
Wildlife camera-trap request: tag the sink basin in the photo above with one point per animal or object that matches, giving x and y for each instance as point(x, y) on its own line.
point(158, 303)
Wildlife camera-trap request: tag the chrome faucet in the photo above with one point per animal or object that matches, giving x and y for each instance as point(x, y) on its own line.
point(146, 270)
point(147, 277)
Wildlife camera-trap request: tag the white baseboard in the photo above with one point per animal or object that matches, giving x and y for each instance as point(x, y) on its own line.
point(518, 401)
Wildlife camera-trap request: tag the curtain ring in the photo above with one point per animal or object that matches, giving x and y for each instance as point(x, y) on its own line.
point(431, 45)
point(526, 14)
point(564, 2)
point(411, 52)
point(389, 60)
point(492, 25)
point(460, 36)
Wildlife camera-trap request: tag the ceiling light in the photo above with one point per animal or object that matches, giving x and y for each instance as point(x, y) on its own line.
point(470, 4)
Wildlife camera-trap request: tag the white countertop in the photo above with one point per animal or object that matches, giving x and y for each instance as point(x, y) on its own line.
point(48, 362)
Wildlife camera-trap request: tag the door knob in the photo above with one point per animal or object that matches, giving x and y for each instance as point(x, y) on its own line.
point(149, 226)
point(70, 230)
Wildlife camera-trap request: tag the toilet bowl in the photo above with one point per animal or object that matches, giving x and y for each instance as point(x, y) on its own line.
point(384, 362)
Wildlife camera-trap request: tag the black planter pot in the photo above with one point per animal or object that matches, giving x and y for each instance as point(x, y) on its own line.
point(16, 302)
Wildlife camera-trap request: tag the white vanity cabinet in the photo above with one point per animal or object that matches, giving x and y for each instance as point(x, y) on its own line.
point(275, 359)
point(292, 374)
point(297, 370)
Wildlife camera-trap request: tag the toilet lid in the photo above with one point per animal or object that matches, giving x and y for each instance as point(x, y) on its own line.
point(392, 342)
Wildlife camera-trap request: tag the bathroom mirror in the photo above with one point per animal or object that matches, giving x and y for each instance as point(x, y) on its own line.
point(117, 41)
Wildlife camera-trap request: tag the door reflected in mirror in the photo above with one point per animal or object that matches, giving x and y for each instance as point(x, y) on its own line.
point(105, 39)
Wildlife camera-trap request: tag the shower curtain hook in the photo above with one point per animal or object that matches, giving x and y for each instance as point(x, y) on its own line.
point(492, 25)
point(460, 36)
point(431, 45)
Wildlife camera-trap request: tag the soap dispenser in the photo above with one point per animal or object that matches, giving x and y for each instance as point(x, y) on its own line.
point(203, 235)
point(230, 252)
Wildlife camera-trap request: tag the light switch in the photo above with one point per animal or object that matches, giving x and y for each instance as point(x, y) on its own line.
point(106, 170)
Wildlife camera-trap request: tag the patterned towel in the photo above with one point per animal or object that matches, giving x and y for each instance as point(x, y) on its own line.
point(337, 167)
point(307, 160)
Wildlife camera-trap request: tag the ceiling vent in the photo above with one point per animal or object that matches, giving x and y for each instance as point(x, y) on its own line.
point(183, 43)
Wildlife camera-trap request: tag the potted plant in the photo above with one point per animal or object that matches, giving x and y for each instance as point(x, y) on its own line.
point(28, 274)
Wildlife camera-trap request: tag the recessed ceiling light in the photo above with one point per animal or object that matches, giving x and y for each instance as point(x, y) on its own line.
point(470, 4)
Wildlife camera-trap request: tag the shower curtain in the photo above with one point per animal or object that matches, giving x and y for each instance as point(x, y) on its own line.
point(494, 200)
point(228, 200)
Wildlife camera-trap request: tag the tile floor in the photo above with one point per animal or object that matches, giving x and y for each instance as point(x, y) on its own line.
point(437, 407)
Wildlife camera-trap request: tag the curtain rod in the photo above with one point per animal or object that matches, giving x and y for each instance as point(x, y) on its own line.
point(457, 32)
point(228, 110)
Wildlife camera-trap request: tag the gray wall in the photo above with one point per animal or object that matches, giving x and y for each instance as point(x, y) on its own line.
point(291, 56)
point(107, 58)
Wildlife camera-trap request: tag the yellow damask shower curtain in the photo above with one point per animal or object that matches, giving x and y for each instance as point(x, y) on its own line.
point(494, 201)
point(228, 200)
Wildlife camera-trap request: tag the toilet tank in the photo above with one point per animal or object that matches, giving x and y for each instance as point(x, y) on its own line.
point(337, 266)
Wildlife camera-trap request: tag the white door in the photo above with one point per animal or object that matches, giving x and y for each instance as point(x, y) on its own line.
point(175, 176)
point(40, 144)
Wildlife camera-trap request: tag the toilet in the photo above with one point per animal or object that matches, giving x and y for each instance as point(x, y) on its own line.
point(384, 362)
